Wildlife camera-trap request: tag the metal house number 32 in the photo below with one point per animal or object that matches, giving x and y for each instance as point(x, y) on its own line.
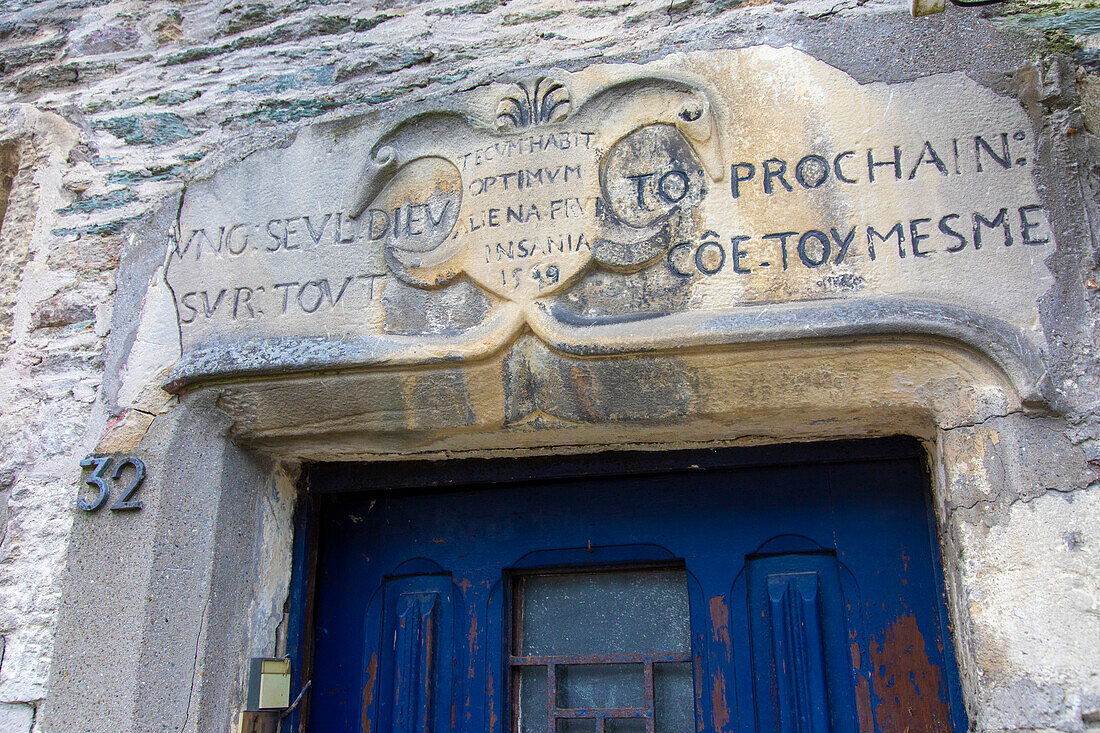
point(101, 472)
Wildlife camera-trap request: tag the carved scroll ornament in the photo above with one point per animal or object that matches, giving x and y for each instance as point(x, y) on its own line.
point(524, 208)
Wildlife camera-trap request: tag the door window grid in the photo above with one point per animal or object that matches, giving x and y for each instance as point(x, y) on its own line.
point(637, 682)
point(600, 715)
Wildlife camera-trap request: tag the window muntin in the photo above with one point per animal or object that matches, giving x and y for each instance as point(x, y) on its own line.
point(602, 652)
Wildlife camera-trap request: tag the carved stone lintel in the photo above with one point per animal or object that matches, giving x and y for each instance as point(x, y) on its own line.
point(760, 191)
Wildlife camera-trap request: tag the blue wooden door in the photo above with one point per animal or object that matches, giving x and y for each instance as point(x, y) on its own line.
point(722, 591)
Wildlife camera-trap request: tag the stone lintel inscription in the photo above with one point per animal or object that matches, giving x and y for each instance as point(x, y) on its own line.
point(701, 185)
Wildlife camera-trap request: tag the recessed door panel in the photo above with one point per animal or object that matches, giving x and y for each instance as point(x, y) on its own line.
point(799, 632)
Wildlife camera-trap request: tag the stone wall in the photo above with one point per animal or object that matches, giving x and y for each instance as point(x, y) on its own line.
point(113, 108)
point(50, 375)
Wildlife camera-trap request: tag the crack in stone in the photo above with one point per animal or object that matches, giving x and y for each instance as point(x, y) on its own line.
point(195, 663)
point(983, 421)
point(168, 260)
point(1024, 499)
point(838, 9)
point(1001, 498)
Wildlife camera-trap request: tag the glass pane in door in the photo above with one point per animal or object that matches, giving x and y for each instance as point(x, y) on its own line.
point(611, 651)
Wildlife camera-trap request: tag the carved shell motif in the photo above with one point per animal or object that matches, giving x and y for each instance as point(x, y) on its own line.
point(539, 102)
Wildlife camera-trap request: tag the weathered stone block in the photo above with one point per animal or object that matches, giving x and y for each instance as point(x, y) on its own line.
point(16, 717)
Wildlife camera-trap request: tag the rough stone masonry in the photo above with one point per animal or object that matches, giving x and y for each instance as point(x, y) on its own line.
point(130, 126)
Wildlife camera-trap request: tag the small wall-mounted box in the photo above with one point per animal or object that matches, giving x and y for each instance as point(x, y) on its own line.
point(268, 684)
point(920, 8)
point(259, 722)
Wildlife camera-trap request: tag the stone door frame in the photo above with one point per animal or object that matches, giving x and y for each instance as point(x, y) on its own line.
point(185, 591)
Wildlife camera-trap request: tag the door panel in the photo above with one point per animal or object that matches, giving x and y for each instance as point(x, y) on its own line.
point(803, 677)
point(813, 597)
point(416, 655)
